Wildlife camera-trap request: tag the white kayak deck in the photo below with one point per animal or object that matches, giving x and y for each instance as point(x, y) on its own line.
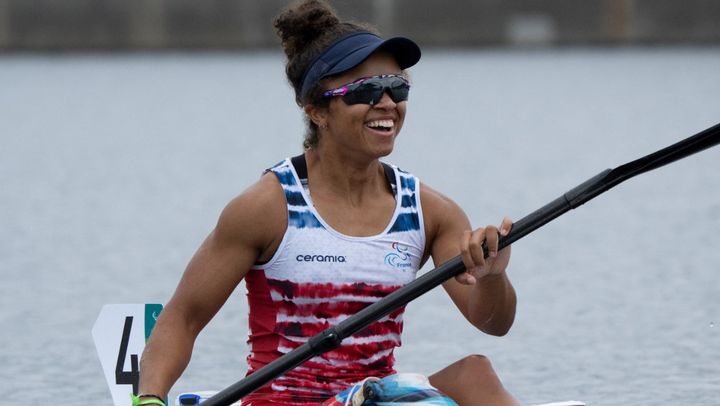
point(207, 394)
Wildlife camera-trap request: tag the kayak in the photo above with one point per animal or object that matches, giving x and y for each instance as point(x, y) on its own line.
point(394, 390)
point(195, 398)
point(400, 389)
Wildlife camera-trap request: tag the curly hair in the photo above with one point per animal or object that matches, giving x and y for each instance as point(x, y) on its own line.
point(306, 28)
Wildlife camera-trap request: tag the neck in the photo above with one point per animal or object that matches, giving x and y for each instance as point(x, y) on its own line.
point(345, 178)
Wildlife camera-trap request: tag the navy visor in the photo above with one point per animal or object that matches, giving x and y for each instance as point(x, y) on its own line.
point(353, 49)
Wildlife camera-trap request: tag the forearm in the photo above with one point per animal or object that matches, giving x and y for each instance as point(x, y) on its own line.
point(166, 355)
point(491, 306)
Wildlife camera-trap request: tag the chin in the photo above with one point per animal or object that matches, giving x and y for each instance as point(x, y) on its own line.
point(383, 152)
point(386, 147)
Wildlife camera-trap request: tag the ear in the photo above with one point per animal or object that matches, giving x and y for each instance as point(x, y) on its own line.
point(317, 115)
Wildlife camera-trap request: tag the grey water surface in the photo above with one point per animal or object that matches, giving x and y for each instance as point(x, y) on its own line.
point(113, 169)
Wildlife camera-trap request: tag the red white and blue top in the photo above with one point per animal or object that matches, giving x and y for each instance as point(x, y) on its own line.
point(319, 277)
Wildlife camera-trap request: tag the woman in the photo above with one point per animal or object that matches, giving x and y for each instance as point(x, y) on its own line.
point(321, 235)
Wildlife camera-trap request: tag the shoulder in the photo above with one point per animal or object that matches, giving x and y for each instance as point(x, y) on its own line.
point(440, 212)
point(265, 194)
point(436, 205)
point(257, 216)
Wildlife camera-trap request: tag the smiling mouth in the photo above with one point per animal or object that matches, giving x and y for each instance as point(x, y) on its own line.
point(381, 125)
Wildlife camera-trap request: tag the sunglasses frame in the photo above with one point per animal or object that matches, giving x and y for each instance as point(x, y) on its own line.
point(385, 80)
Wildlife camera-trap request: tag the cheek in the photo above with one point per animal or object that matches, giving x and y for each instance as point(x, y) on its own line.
point(348, 116)
point(402, 109)
point(338, 108)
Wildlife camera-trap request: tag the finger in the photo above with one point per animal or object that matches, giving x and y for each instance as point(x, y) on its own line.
point(465, 250)
point(476, 247)
point(466, 279)
point(491, 239)
point(506, 226)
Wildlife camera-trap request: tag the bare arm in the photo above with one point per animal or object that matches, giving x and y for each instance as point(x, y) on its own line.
point(249, 229)
point(484, 294)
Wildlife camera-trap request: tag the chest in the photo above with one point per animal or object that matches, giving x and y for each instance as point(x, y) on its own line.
point(368, 218)
point(318, 256)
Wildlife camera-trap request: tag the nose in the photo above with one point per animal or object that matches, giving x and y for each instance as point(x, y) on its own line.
point(385, 102)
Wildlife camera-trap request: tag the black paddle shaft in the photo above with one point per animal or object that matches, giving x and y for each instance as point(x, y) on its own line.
point(332, 337)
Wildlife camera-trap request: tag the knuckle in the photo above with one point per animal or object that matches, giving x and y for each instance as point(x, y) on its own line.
point(474, 244)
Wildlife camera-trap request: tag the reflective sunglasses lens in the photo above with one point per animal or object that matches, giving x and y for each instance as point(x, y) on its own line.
point(365, 93)
point(372, 90)
point(399, 91)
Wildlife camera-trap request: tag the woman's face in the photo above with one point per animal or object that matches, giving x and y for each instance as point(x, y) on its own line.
point(364, 129)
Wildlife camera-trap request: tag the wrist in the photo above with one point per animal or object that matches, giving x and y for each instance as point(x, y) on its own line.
point(145, 399)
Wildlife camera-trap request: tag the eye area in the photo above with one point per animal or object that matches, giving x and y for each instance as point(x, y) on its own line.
point(371, 89)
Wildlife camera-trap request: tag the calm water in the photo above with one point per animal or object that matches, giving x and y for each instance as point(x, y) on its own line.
point(114, 168)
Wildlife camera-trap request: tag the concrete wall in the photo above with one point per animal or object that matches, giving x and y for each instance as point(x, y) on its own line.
point(228, 24)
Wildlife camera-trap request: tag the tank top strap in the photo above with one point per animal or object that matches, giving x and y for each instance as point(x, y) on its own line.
point(300, 214)
point(300, 164)
point(410, 216)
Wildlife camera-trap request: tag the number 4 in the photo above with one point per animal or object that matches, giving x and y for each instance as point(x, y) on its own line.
point(131, 377)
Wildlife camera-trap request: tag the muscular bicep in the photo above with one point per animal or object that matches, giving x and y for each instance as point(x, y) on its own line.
point(246, 230)
point(210, 277)
point(445, 224)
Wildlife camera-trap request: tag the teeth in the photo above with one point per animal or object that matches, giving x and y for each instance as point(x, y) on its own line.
point(381, 123)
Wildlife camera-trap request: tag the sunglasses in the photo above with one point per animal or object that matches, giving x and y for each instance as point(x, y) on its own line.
point(371, 89)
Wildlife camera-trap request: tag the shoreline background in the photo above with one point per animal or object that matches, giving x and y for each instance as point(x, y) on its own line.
point(69, 25)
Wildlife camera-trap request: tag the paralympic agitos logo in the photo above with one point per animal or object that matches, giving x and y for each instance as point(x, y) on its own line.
point(399, 258)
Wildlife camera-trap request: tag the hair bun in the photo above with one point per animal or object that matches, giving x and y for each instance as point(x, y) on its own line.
point(303, 23)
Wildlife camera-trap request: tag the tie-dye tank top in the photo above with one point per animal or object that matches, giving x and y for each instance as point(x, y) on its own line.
point(317, 278)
